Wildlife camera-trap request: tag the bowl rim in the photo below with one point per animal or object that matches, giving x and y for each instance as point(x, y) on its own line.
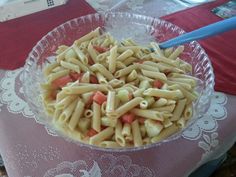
point(68, 139)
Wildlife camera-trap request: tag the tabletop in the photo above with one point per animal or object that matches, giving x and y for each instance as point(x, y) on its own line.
point(29, 148)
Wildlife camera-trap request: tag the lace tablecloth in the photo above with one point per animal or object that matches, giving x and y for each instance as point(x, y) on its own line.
point(29, 149)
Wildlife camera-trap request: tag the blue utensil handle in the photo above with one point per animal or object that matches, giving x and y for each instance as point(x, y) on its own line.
point(204, 32)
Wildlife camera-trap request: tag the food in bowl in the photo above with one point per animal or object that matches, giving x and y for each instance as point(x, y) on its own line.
point(118, 94)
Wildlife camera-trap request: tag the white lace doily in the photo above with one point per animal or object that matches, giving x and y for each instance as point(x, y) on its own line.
point(15, 103)
point(11, 95)
point(121, 166)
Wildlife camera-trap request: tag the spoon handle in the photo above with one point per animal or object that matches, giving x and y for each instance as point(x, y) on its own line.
point(204, 32)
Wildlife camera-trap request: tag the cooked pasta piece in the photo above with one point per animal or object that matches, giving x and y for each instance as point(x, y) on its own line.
point(49, 68)
point(128, 106)
point(101, 136)
point(79, 109)
point(111, 99)
point(176, 52)
point(118, 134)
point(67, 112)
point(88, 36)
point(156, 48)
point(109, 144)
point(149, 114)
point(188, 112)
point(92, 52)
point(126, 131)
point(178, 109)
point(86, 88)
point(108, 122)
point(112, 59)
point(132, 76)
point(168, 52)
point(125, 71)
point(96, 120)
point(100, 68)
point(54, 76)
point(137, 138)
point(125, 55)
point(175, 94)
point(83, 58)
point(165, 133)
point(154, 75)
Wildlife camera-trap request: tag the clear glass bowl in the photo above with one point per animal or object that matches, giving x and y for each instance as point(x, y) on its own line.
point(141, 28)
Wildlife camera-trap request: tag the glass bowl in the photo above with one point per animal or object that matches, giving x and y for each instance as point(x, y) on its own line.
point(142, 29)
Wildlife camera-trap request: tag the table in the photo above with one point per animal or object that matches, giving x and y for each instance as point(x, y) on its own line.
point(29, 149)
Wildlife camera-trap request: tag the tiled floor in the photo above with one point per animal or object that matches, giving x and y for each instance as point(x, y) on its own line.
point(227, 169)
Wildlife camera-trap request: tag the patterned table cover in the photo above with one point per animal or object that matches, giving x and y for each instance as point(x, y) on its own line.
point(29, 149)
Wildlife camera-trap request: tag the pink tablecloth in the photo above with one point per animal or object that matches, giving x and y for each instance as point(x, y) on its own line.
point(29, 149)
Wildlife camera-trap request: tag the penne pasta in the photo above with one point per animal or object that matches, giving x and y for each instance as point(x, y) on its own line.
point(129, 60)
point(125, 71)
point(54, 76)
point(86, 88)
point(88, 36)
point(109, 144)
point(176, 52)
point(111, 99)
point(100, 68)
point(174, 95)
point(148, 114)
point(79, 109)
point(101, 136)
point(156, 49)
point(108, 122)
point(178, 109)
point(165, 133)
point(67, 112)
point(154, 75)
point(96, 119)
point(70, 66)
point(112, 59)
point(128, 106)
point(101, 78)
point(118, 134)
point(137, 138)
point(83, 58)
point(128, 53)
point(92, 52)
point(132, 76)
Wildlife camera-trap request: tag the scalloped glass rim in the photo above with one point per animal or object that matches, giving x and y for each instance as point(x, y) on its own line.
point(154, 27)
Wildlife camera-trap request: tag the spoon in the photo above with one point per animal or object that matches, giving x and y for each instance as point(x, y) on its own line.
point(204, 32)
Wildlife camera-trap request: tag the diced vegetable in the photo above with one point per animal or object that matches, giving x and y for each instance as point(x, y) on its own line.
point(61, 82)
point(153, 127)
point(100, 49)
point(99, 97)
point(91, 132)
point(157, 84)
point(53, 95)
point(93, 79)
point(124, 95)
point(90, 101)
point(90, 61)
point(128, 118)
point(141, 120)
point(76, 76)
